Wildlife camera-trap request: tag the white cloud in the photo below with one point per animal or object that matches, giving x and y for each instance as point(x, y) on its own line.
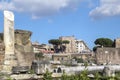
point(39, 8)
point(106, 8)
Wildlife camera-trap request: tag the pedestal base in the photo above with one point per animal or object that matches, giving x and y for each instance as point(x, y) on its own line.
point(9, 61)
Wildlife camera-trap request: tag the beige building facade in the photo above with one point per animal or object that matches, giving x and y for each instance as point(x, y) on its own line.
point(71, 47)
point(75, 46)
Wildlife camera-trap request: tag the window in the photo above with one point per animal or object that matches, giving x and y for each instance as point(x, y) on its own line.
point(62, 58)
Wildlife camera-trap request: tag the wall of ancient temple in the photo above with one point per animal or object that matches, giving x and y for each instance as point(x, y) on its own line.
point(108, 55)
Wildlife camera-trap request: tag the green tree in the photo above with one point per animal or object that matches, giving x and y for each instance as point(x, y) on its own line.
point(105, 42)
point(65, 42)
point(58, 44)
point(55, 41)
point(95, 48)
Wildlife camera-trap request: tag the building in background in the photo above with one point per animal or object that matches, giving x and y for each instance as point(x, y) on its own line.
point(81, 47)
point(44, 48)
point(71, 47)
point(75, 46)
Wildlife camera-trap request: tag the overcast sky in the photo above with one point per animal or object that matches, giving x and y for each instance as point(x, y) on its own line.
point(48, 19)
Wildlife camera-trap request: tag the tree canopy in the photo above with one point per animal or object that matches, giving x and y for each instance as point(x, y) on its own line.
point(58, 44)
point(65, 42)
point(55, 41)
point(105, 42)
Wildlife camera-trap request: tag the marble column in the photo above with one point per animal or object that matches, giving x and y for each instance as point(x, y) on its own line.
point(10, 59)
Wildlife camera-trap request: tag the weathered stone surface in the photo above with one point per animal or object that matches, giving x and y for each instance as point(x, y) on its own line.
point(17, 45)
point(9, 32)
point(22, 40)
point(117, 43)
point(1, 37)
point(23, 47)
point(24, 59)
point(2, 53)
point(108, 55)
point(109, 71)
point(9, 41)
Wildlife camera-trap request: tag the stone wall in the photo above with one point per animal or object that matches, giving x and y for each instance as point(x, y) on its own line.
point(22, 40)
point(108, 55)
point(23, 47)
point(61, 57)
point(2, 53)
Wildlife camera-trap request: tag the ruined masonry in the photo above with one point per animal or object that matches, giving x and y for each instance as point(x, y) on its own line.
point(10, 59)
point(15, 45)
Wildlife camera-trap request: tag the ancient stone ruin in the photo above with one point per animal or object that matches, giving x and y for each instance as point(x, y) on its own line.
point(23, 47)
point(9, 58)
point(108, 56)
point(15, 45)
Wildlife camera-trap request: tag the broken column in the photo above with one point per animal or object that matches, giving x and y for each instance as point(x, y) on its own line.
point(109, 71)
point(10, 59)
